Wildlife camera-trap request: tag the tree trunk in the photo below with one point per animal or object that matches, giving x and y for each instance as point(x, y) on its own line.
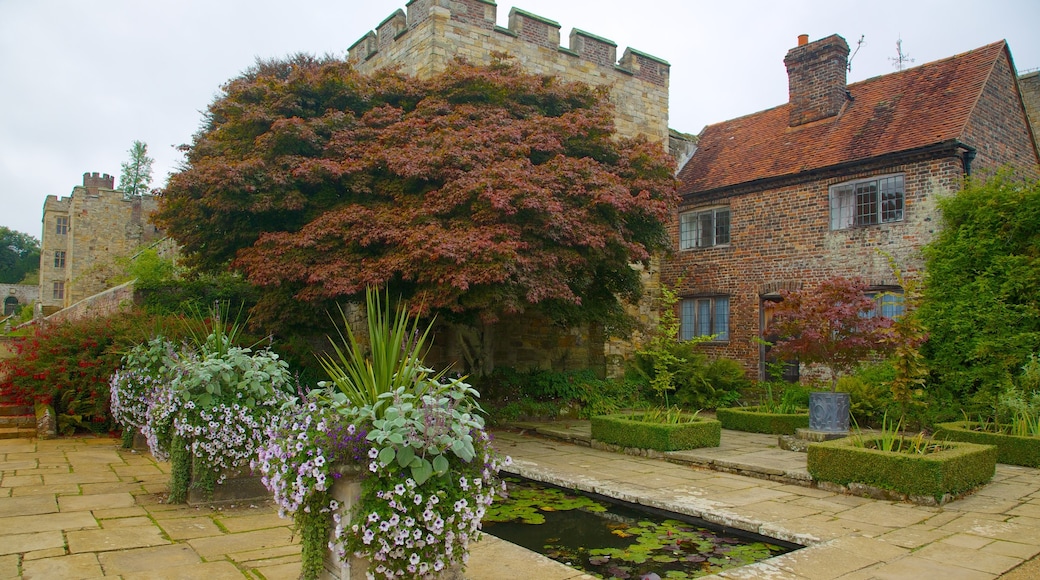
point(476, 346)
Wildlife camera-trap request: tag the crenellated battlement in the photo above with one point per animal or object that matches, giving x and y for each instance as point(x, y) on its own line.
point(523, 27)
point(95, 181)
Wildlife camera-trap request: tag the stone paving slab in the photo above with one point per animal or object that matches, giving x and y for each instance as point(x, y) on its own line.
point(74, 566)
point(240, 523)
point(102, 501)
point(288, 571)
point(28, 505)
point(104, 540)
point(189, 528)
point(213, 546)
point(9, 567)
point(144, 559)
point(46, 523)
point(22, 543)
point(203, 571)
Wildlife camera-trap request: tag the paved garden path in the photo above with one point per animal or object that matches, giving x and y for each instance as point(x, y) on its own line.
point(84, 508)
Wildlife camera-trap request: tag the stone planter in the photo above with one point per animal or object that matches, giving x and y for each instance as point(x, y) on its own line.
point(239, 486)
point(829, 412)
point(346, 490)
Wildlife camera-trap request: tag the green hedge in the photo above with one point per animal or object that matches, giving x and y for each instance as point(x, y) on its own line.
point(752, 420)
point(959, 468)
point(1011, 449)
point(631, 431)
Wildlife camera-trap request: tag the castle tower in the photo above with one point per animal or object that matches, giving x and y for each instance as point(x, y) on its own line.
point(83, 236)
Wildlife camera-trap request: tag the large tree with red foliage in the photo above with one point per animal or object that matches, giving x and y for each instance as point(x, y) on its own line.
point(832, 325)
point(484, 191)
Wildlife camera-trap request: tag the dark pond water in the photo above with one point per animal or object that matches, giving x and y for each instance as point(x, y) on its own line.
point(613, 540)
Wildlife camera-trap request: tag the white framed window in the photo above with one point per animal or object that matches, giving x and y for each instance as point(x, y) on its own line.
point(704, 228)
point(867, 202)
point(62, 225)
point(59, 259)
point(59, 291)
point(704, 316)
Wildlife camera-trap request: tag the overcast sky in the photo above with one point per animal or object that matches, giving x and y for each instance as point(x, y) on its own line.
point(81, 80)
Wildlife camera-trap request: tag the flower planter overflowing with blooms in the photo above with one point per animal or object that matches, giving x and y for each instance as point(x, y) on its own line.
point(204, 407)
point(387, 469)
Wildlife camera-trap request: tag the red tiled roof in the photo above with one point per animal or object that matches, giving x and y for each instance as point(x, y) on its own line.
point(914, 108)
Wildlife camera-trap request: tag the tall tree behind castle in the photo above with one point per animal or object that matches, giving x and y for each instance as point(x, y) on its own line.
point(19, 255)
point(135, 175)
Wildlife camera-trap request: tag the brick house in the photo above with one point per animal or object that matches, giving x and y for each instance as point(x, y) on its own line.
point(787, 197)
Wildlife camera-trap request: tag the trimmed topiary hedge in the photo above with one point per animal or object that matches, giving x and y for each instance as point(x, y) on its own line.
point(1011, 449)
point(956, 469)
point(632, 431)
point(752, 420)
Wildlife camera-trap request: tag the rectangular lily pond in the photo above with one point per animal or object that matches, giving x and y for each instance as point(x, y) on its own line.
point(611, 539)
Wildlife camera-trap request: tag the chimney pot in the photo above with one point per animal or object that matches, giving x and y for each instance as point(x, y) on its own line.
point(816, 74)
point(803, 39)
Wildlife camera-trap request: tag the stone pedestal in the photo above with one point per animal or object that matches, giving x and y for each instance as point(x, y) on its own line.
point(140, 442)
point(346, 490)
point(239, 486)
point(803, 437)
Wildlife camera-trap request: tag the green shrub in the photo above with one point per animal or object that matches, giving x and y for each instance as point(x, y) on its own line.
point(1011, 449)
point(869, 401)
point(631, 431)
point(668, 365)
point(509, 394)
point(753, 420)
point(186, 295)
point(958, 468)
point(982, 271)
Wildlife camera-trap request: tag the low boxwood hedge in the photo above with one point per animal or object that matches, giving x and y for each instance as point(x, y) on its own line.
point(630, 430)
point(956, 469)
point(752, 420)
point(1011, 449)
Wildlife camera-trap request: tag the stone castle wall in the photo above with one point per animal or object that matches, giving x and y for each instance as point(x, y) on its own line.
point(14, 295)
point(432, 33)
point(97, 305)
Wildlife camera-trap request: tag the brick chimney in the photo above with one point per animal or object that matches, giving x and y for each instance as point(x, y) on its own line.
point(94, 181)
point(816, 78)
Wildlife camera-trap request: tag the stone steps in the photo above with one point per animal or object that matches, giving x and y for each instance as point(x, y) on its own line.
point(17, 433)
point(17, 421)
point(21, 420)
point(13, 410)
